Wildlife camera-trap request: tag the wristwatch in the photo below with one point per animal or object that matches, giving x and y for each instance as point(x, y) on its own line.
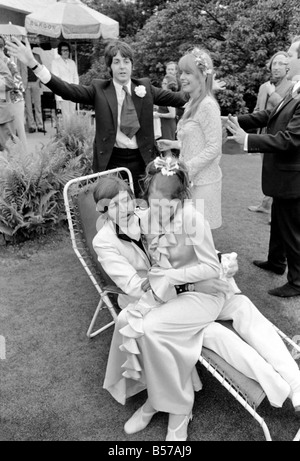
point(34, 67)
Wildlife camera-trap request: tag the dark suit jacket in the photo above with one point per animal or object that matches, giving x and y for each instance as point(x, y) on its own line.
point(102, 95)
point(281, 146)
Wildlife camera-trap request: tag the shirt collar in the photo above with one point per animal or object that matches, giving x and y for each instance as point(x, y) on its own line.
point(296, 86)
point(119, 87)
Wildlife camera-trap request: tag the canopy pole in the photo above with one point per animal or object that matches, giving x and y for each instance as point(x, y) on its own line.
point(76, 62)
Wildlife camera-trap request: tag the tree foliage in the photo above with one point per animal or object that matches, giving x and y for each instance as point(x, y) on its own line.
point(131, 15)
point(31, 185)
point(241, 35)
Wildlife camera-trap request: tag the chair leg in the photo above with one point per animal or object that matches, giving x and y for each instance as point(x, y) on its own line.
point(105, 327)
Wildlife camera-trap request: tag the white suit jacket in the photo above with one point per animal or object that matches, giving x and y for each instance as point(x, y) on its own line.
point(125, 263)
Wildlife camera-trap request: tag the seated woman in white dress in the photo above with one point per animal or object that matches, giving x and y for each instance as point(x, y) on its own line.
point(158, 351)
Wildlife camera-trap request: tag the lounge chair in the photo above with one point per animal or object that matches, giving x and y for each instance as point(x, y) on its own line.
point(82, 217)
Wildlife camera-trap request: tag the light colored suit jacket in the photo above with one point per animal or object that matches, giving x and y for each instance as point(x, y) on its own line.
point(126, 264)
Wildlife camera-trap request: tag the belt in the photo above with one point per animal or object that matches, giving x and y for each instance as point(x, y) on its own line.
point(184, 288)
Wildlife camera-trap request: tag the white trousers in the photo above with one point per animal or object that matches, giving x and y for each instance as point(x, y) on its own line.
point(261, 355)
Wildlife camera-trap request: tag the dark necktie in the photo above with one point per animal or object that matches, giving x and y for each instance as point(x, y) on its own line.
point(129, 120)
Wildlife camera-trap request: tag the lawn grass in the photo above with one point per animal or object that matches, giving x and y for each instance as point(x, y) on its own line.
point(51, 380)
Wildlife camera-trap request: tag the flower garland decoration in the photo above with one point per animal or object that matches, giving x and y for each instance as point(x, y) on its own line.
point(167, 166)
point(201, 61)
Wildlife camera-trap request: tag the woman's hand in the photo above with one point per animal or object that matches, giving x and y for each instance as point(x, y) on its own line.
point(22, 52)
point(167, 144)
point(231, 265)
point(213, 286)
point(155, 114)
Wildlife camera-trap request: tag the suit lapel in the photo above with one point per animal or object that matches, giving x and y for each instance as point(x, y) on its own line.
point(141, 253)
point(137, 101)
point(291, 95)
point(129, 245)
point(128, 241)
point(281, 105)
point(111, 97)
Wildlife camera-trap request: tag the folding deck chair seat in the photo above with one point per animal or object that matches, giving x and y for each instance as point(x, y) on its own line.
point(82, 216)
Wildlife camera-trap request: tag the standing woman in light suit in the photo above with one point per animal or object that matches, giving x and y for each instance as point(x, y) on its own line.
point(199, 133)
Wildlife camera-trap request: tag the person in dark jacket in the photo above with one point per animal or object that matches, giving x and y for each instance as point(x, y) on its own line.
point(112, 147)
point(280, 145)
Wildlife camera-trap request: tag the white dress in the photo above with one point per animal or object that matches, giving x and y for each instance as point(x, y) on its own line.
point(201, 150)
point(162, 348)
point(159, 351)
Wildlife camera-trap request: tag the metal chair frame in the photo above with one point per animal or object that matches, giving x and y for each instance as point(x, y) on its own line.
point(108, 291)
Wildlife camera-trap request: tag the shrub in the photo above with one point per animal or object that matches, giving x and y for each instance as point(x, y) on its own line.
point(31, 185)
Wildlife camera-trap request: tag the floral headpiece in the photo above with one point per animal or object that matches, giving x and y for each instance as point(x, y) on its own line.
point(167, 165)
point(201, 60)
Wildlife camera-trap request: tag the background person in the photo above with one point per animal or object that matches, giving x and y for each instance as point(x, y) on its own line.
point(6, 114)
point(65, 68)
point(33, 98)
point(269, 95)
point(173, 70)
point(167, 115)
point(16, 97)
point(280, 175)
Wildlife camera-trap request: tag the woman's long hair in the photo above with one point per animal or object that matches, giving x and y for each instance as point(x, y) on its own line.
point(198, 61)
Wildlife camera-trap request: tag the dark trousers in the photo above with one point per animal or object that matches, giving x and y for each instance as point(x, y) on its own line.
point(284, 245)
point(131, 159)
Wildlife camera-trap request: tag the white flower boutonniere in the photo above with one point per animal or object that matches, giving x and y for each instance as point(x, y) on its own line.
point(140, 91)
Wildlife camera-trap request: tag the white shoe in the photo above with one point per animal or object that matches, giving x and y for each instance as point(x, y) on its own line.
point(138, 421)
point(171, 435)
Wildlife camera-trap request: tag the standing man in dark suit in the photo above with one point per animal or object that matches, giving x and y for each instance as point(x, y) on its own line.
point(280, 174)
point(112, 146)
